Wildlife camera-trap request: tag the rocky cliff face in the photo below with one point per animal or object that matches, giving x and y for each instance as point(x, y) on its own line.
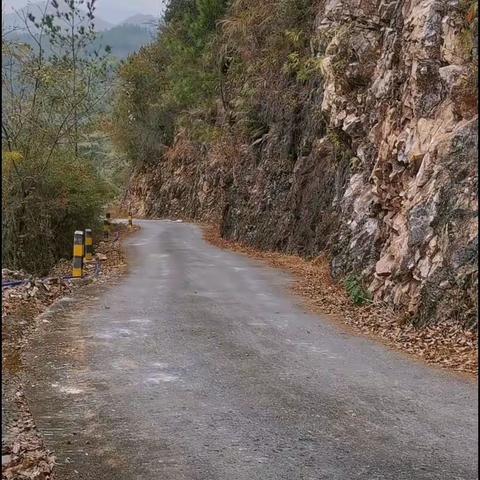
point(376, 168)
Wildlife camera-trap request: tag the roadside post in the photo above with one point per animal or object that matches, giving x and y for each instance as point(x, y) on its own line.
point(106, 226)
point(77, 271)
point(88, 245)
point(130, 220)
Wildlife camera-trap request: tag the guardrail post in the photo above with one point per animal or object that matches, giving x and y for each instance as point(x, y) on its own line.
point(88, 245)
point(77, 254)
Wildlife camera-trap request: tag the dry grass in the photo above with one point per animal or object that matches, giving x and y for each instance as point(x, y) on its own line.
point(446, 344)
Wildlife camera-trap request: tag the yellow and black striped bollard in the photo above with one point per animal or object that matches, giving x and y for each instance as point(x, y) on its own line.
point(77, 254)
point(88, 245)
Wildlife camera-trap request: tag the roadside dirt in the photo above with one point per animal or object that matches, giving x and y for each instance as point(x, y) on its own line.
point(24, 455)
point(444, 344)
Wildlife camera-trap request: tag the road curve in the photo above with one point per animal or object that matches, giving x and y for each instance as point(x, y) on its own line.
point(199, 365)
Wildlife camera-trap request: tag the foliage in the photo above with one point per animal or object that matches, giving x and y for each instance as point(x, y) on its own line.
point(269, 63)
point(303, 68)
point(178, 9)
point(165, 81)
point(235, 67)
point(356, 290)
point(141, 126)
point(41, 212)
point(241, 67)
point(469, 10)
point(51, 103)
point(339, 140)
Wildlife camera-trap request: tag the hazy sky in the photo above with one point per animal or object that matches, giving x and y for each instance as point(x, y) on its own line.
point(113, 11)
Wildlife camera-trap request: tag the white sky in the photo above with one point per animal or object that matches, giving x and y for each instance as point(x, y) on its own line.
point(113, 11)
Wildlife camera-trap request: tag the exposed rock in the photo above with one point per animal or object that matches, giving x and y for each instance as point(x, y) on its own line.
point(385, 265)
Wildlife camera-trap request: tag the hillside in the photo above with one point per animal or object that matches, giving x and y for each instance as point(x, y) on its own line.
point(339, 128)
point(125, 39)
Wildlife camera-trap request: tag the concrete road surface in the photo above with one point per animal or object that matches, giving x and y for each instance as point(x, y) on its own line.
point(199, 365)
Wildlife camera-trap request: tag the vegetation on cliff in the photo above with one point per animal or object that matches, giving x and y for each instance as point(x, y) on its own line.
point(212, 74)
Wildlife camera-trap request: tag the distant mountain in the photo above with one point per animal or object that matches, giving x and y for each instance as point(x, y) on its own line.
point(15, 19)
point(122, 39)
point(147, 21)
point(126, 38)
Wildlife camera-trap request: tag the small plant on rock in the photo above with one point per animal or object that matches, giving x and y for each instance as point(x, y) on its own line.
point(357, 292)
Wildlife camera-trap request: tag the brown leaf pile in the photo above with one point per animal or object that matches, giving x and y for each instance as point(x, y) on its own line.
point(26, 458)
point(445, 344)
point(20, 305)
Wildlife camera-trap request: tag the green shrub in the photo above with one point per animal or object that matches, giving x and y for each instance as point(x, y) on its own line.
point(303, 68)
point(356, 290)
point(43, 203)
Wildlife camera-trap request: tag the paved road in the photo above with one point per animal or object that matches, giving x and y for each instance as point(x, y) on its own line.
point(199, 365)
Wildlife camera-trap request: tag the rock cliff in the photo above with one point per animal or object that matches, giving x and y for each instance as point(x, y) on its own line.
point(374, 166)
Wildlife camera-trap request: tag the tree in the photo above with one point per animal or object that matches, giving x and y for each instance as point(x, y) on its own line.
point(170, 82)
point(53, 92)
